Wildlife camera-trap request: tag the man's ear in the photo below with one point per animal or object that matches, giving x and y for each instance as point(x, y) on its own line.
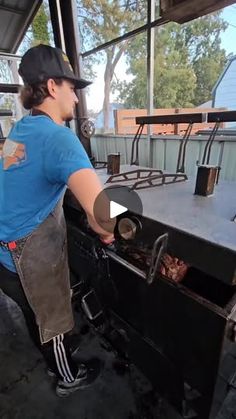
point(52, 87)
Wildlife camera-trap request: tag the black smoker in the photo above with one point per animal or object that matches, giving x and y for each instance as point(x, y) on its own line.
point(180, 334)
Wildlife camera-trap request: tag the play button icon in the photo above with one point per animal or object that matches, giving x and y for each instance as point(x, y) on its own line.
point(113, 202)
point(116, 209)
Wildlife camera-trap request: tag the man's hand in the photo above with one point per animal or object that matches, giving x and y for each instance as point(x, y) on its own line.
point(109, 239)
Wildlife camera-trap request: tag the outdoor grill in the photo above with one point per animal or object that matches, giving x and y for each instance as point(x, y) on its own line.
point(179, 333)
point(164, 295)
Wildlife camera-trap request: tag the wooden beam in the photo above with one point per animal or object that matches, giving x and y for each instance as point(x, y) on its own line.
point(9, 88)
point(184, 10)
point(178, 118)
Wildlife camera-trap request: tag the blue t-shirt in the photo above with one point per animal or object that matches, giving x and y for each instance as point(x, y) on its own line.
point(38, 158)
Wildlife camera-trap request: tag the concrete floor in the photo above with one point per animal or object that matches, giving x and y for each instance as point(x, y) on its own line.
point(26, 392)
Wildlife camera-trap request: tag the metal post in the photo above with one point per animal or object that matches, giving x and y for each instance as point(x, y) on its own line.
point(15, 79)
point(150, 73)
point(66, 36)
point(58, 33)
point(73, 50)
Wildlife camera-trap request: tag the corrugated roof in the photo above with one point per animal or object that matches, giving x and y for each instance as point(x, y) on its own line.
point(15, 18)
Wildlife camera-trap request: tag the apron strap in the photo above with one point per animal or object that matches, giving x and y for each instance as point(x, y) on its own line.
point(9, 246)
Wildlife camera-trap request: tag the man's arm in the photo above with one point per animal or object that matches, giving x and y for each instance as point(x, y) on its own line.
point(86, 186)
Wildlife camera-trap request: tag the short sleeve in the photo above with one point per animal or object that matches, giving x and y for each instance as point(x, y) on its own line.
point(63, 155)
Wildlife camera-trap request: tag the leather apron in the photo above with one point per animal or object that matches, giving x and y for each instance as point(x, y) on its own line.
point(42, 265)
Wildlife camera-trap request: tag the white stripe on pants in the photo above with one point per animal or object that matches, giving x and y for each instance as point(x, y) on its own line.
point(61, 359)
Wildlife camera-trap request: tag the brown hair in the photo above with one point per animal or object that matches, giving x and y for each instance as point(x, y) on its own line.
point(34, 94)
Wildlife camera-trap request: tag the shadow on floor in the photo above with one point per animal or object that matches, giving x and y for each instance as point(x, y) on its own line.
point(26, 392)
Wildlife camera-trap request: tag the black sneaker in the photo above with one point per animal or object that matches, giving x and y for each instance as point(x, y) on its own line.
point(85, 377)
point(51, 373)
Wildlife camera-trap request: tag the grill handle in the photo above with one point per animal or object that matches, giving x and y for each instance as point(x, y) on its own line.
point(158, 249)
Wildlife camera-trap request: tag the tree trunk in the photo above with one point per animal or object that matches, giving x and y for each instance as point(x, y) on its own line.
point(112, 60)
point(106, 103)
point(107, 85)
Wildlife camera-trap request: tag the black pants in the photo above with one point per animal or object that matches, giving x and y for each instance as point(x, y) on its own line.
point(56, 352)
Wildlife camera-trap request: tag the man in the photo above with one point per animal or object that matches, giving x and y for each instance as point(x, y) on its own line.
point(40, 158)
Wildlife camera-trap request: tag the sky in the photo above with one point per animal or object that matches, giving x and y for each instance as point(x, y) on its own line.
point(229, 36)
point(98, 85)
point(228, 43)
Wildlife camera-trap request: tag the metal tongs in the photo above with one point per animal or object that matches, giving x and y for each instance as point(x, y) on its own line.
point(159, 247)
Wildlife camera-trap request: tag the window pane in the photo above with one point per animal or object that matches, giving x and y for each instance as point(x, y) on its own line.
point(190, 59)
point(40, 31)
point(9, 70)
point(117, 86)
point(100, 22)
point(5, 121)
point(10, 111)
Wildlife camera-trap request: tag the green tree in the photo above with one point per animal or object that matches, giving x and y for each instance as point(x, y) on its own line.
point(40, 31)
point(188, 61)
point(103, 20)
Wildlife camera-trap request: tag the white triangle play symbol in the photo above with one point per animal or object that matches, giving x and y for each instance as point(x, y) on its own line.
point(116, 209)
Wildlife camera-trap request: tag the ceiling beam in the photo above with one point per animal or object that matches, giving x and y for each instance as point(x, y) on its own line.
point(185, 10)
point(14, 10)
point(33, 7)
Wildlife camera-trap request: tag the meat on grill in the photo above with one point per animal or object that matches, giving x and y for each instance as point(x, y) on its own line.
point(173, 268)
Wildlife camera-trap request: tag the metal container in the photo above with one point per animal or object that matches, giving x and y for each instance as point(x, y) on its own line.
point(206, 180)
point(113, 163)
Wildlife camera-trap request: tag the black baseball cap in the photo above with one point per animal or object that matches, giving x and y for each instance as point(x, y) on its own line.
point(43, 62)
